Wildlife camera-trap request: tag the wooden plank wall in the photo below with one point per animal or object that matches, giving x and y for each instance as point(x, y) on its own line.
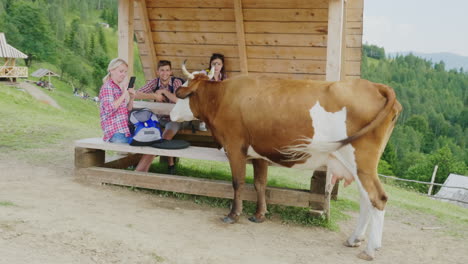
point(284, 38)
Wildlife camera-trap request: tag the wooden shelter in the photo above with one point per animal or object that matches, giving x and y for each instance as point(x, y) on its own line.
point(10, 54)
point(45, 72)
point(298, 39)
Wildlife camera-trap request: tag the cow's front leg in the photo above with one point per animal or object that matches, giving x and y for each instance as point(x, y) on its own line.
point(260, 167)
point(237, 161)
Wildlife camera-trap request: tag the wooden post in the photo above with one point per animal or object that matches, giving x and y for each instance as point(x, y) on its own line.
point(144, 40)
point(335, 45)
point(317, 186)
point(48, 84)
point(85, 157)
point(126, 33)
point(432, 180)
point(241, 36)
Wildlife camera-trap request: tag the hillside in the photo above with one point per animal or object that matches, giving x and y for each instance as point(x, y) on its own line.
point(433, 127)
point(71, 36)
point(451, 60)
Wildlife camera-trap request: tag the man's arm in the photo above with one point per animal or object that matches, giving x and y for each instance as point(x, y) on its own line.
point(170, 96)
point(146, 91)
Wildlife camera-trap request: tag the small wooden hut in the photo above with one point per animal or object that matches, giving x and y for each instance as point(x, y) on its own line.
point(9, 55)
point(45, 73)
point(297, 39)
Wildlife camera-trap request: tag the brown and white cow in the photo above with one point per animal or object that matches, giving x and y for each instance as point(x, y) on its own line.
point(299, 124)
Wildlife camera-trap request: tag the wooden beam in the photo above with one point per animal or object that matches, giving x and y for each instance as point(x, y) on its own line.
point(125, 24)
point(197, 186)
point(241, 36)
point(144, 38)
point(335, 51)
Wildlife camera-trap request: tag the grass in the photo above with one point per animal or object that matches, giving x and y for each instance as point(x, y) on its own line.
point(6, 203)
point(29, 126)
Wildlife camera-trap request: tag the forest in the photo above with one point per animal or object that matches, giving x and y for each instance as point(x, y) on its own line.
point(65, 33)
point(432, 129)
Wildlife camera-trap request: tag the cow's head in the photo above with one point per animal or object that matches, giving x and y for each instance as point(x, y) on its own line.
point(181, 111)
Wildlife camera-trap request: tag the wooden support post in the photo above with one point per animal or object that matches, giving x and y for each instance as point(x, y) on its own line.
point(85, 157)
point(317, 186)
point(144, 40)
point(336, 41)
point(241, 36)
point(126, 33)
point(432, 180)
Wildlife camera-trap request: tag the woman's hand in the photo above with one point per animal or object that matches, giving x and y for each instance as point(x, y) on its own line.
point(131, 92)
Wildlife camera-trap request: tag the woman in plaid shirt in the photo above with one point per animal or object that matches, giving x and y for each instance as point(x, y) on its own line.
point(116, 100)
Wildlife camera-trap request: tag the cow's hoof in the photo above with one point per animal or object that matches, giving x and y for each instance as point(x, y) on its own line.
point(230, 220)
point(356, 243)
point(256, 220)
point(363, 255)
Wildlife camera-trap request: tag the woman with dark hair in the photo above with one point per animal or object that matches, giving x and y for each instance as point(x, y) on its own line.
point(217, 61)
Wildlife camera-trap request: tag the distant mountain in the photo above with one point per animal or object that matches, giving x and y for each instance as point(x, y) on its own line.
point(451, 60)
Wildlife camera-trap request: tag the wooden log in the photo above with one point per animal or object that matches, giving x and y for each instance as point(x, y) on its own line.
point(336, 20)
point(239, 18)
point(87, 157)
point(197, 186)
point(144, 39)
point(125, 23)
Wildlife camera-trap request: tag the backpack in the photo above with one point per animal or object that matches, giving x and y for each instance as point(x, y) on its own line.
point(144, 127)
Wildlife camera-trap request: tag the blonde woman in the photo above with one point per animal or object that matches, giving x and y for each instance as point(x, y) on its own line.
point(115, 103)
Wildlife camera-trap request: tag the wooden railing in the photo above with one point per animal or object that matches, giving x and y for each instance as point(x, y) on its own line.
point(13, 72)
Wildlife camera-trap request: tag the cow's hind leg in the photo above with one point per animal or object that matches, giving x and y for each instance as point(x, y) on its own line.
point(374, 200)
point(237, 161)
point(364, 216)
point(260, 180)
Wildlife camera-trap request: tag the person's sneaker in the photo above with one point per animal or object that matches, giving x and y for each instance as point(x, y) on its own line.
point(171, 170)
point(202, 126)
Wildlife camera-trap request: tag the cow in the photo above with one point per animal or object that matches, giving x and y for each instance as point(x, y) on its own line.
point(343, 125)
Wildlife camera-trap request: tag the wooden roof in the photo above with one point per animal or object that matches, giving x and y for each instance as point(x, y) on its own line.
point(7, 51)
point(44, 72)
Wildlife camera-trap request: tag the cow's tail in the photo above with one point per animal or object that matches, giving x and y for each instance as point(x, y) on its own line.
point(387, 92)
point(302, 151)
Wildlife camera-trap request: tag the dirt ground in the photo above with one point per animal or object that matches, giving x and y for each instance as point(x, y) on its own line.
point(46, 216)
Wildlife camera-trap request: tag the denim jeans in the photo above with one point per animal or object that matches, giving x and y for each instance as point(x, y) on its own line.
point(119, 138)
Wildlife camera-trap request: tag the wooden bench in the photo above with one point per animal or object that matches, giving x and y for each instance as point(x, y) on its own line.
point(91, 166)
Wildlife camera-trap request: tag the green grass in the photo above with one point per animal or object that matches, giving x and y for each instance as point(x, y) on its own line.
point(6, 203)
point(29, 124)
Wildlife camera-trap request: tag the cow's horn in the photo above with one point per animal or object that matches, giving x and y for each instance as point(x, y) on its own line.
point(211, 73)
point(186, 73)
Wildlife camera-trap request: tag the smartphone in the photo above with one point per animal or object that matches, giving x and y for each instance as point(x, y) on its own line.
point(131, 83)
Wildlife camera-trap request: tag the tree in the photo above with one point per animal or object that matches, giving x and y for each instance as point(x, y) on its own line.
point(30, 22)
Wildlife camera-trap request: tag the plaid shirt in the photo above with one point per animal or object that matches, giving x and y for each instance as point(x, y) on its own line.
point(112, 120)
point(172, 86)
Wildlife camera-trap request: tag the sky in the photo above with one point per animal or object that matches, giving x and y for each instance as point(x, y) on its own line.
point(428, 26)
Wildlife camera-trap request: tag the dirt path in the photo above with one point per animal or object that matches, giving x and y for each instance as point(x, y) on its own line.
point(37, 93)
point(46, 216)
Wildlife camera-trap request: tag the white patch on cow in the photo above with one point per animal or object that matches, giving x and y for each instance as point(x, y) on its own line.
point(181, 111)
point(321, 150)
point(252, 154)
